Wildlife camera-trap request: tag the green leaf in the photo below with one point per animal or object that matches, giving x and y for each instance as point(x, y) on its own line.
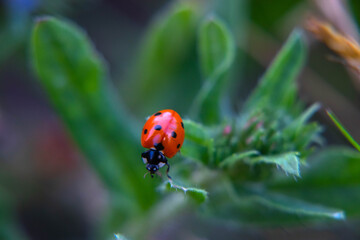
point(255, 204)
point(217, 53)
point(235, 14)
point(199, 195)
point(331, 178)
point(75, 79)
point(288, 162)
point(301, 134)
point(165, 51)
point(300, 121)
point(216, 47)
point(196, 132)
point(198, 145)
point(295, 206)
point(343, 130)
point(234, 158)
point(195, 152)
point(277, 87)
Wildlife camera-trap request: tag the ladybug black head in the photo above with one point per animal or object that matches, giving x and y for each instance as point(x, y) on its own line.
point(154, 160)
point(152, 168)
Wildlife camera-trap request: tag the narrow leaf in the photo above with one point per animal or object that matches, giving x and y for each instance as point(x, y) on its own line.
point(296, 206)
point(305, 116)
point(343, 130)
point(277, 86)
point(298, 124)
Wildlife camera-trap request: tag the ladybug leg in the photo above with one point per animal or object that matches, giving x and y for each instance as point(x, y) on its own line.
point(167, 170)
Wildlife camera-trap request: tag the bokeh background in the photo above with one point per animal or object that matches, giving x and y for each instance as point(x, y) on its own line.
point(51, 192)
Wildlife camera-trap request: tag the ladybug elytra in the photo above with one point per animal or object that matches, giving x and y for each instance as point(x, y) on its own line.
point(163, 133)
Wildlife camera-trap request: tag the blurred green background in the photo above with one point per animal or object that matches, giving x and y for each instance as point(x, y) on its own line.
point(51, 189)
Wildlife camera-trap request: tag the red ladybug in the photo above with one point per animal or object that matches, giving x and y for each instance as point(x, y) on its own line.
point(164, 134)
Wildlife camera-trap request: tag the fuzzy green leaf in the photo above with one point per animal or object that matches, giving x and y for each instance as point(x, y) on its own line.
point(217, 53)
point(198, 143)
point(199, 195)
point(295, 206)
point(194, 151)
point(75, 78)
point(259, 205)
point(277, 87)
point(288, 162)
point(196, 132)
point(331, 178)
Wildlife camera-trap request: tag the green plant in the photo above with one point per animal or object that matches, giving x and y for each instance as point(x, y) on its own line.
point(249, 162)
point(343, 130)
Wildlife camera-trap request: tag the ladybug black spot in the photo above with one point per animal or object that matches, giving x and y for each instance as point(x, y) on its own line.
point(157, 114)
point(178, 145)
point(182, 124)
point(157, 127)
point(159, 146)
point(145, 131)
point(173, 134)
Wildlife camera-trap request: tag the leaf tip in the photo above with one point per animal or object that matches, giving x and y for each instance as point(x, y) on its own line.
point(41, 19)
point(297, 35)
point(118, 236)
point(339, 215)
point(211, 17)
point(329, 112)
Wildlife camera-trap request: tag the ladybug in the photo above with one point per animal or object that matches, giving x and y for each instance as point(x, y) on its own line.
point(163, 133)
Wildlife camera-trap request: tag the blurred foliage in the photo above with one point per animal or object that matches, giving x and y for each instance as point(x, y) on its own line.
point(261, 15)
point(15, 24)
point(257, 165)
point(9, 228)
point(355, 9)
